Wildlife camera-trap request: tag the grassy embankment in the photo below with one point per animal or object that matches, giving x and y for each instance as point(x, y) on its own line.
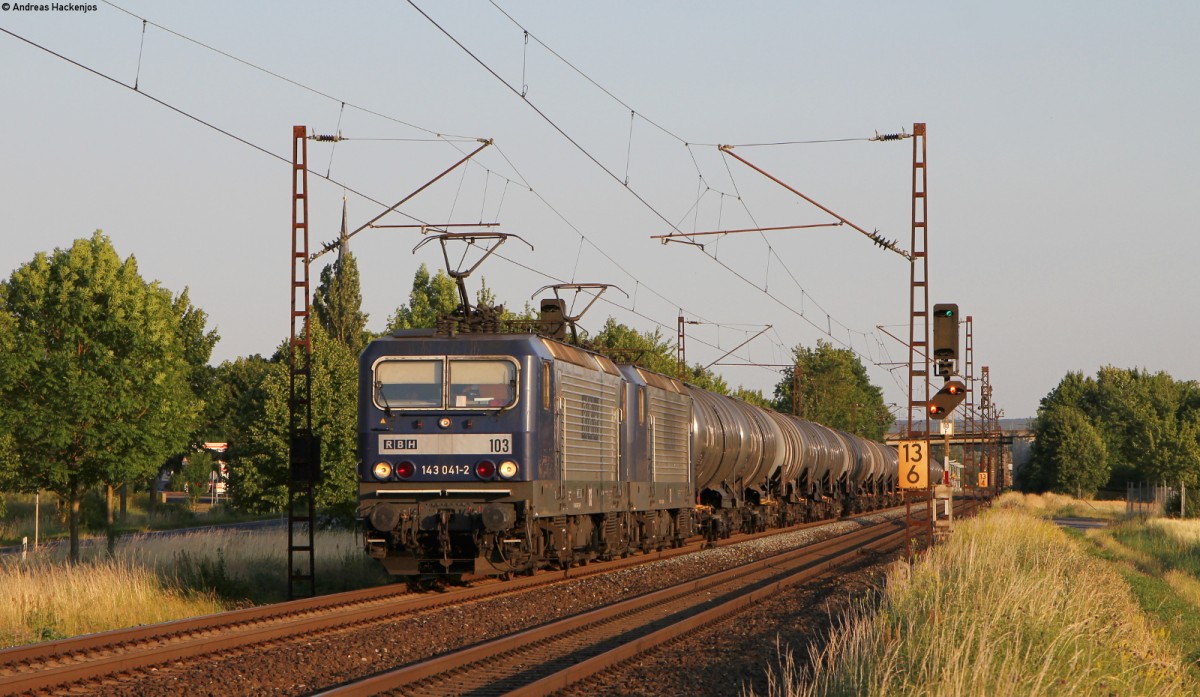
point(1013, 605)
point(155, 579)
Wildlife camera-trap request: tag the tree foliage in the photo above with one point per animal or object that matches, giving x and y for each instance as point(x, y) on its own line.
point(259, 462)
point(1149, 424)
point(754, 397)
point(652, 351)
point(196, 474)
point(96, 387)
point(337, 303)
point(835, 391)
point(197, 342)
point(432, 296)
point(1071, 454)
point(236, 402)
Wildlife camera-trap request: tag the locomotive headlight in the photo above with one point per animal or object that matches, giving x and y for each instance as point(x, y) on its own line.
point(444, 422)
point(508, 469)
point(382, 470)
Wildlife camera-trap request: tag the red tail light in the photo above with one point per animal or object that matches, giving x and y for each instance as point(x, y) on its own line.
point(405, 469)
point(485, 469)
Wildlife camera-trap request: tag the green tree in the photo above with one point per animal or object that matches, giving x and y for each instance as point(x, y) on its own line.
point(1172, 449)
point(235, 405)
point(652, 351)
point(259, 463)
point(1069, 455)
point(485, 297)
point(235, 399)
point(624, 344)
point(197, 342)
point(337, 303)
point(10, 477)
point(1148, 421)
point(754, 397)
point(196, 474)
point(431, 297)
point(835, 391)
point(96, 387)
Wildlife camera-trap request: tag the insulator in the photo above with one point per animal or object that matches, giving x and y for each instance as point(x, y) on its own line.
point(326, 139)
point(891, 136)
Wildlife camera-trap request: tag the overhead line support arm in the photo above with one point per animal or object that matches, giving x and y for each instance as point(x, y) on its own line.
point(873, 236)
point(764, 331)
point(334, 245)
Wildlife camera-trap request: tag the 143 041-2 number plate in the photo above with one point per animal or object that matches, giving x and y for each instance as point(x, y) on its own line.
point(445, 470)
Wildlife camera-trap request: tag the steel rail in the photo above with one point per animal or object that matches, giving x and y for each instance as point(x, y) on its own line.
point(585, 669)
point(51, 664)
point(783, 569)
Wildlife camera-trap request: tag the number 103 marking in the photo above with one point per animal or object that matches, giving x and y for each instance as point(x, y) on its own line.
point(914, 464)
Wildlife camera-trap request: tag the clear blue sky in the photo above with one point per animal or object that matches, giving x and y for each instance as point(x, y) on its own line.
point(1063, 152)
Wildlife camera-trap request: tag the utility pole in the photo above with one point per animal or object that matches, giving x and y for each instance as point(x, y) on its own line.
point(680, 354)
point(918, 304)
point(304, 451)
point(970, 464)
point(797, 397)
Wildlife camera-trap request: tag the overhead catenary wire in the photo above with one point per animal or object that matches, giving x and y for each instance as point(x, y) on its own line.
point(585, 76)
point(203, 122)
point(527, 35)
point(285, 160)
point(141, 47)
point(800, 315)
point(442, 136)
point(632, 309)
point(342, 105)
point(338, 131)
point(787, 269)
point(562, 132)
point(578, 146)
point(278, 76)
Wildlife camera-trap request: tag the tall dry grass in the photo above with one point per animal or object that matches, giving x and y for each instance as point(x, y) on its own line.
point(1051, 505)
point(1011, 605)
point(159, 578)
point(42, 600)
point(1186, 531)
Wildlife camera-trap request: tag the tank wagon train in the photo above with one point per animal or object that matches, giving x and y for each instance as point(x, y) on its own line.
point(492, 454)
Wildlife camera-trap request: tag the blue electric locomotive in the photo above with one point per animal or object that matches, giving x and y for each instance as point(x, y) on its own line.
point(490, 453)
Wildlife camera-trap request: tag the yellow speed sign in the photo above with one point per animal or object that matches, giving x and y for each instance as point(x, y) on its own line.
point(914, 464)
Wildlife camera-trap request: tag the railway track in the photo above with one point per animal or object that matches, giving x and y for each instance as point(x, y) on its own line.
point(553, 656)
point(97, 657)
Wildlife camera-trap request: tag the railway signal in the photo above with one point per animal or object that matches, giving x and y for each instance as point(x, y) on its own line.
point(945, 337)
point(950, 396)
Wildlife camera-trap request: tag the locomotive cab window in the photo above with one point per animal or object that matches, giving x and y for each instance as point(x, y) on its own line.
point(412, 384)
point(445, 383)
point(482, 384)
